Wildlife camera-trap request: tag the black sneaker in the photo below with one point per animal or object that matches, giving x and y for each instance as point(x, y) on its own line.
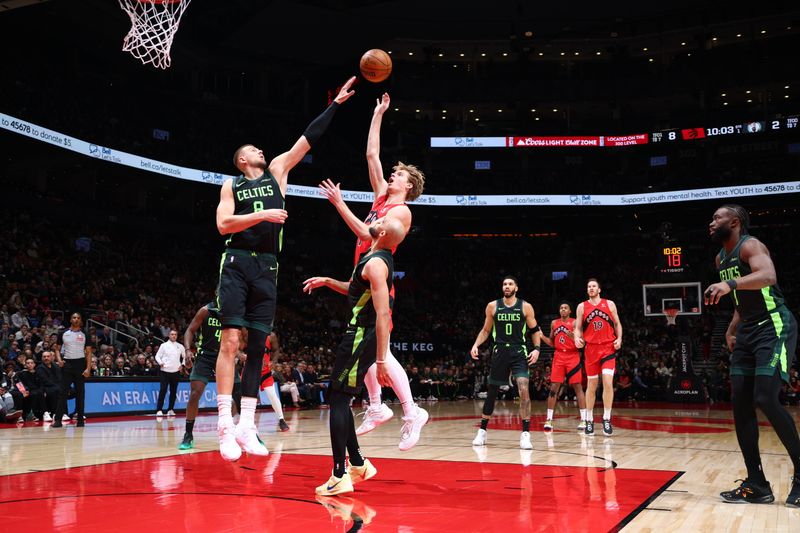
point(793, 500)
point(589, 428)
point(282, 425)
point(80, 423)
point(748, 492)
point(187, 443)
point(607, 429)
point(56, 424)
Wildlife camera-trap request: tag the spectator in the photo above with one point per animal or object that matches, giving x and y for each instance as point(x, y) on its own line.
point(285, 385)
point(32, 403)
point(49, 377)
point(9, 410)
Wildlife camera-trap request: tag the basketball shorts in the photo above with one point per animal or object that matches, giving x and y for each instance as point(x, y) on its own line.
point(598, 357)
point(765, 346)
point(566, 365)
point(355, 354)
point(508, 359)
point(266, 373)
point(205, 367)
point(247, 292)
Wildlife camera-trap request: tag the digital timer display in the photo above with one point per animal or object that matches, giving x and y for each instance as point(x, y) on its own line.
point(672, 260)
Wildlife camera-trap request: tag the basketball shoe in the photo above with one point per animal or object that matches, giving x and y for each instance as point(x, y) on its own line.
point(187, 443)
point(361, 473)
point(229, 449)
point(282, 425)
point(336, 485)
point(581, 425)
point(374, 416)
point(409, 434)
point(748, 492)
point(525, 441)
point(607, 429)
point(247, 438)
point(548, 425)
point(480, 438)
point(589, 427)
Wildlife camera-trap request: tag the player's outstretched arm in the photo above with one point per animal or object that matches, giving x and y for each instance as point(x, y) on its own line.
point(483, 334)
point(578, 327)
point(228, 223)
point(280, 166)
point(333, 193)
point(318, 281)
point(376, 272)
point(376, 178)
point(191, 330)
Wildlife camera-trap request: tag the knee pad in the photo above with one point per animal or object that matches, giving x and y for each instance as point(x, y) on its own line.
point(251, 376)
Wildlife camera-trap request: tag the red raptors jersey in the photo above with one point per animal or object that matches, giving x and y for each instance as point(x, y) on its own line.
point(563, 341)
point(598, 326)
point(378, 210)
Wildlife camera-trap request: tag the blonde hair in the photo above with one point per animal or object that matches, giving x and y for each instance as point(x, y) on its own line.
point(415, 177)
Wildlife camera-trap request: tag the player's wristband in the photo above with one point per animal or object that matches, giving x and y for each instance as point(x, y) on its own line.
point(731, 283)
point(538, 348)
point(380, 362)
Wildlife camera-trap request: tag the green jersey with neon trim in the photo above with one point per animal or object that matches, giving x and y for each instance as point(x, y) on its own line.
point(210, 332)
point(252, 196)
point(510, 324)
point(751, 304)
point(360, 295)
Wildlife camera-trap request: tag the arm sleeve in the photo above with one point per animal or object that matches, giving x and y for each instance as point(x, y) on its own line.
point(318, 126)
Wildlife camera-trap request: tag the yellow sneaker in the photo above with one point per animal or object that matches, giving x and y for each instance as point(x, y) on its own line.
point(362, 473)
point(336, 485)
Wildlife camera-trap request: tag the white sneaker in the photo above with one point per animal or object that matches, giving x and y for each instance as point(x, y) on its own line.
point(582, 424)
point(525, 441)
point(409, 434)
point(65, 418)
point(170, 413)
point(46, 417)
point(548, 425)
point(374, 416)
point(433, 398)
point(247, 438)
point(159, 413)
point(480, 438)
point(228, 447)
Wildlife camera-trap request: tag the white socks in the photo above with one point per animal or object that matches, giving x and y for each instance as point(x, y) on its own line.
point(274, 401)
point(549, 414)
point(224, 410)
point(607, 414)
point(248, 415)
point(589, 415)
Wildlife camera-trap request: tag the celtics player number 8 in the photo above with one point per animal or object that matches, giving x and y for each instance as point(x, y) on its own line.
point(258, 206)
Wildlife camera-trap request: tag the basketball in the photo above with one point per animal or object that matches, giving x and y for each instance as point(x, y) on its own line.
point(376, 65)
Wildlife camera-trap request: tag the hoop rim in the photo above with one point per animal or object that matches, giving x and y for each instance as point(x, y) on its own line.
point(671, 312)
point(159, 1)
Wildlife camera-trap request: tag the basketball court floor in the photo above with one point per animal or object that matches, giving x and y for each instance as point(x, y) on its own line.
point(661, 471)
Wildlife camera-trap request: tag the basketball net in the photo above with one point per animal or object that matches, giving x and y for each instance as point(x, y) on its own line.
point(671, 315)
point(153, 26)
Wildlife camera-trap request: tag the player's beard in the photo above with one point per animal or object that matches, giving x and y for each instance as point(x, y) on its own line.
point(261, 164)
point(374, 232)
point(721, 234)
point(509, 293)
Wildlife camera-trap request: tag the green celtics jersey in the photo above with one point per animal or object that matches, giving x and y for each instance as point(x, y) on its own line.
point(210, 332)
point(359, 293)
point(509, 323)
point(251, 196)
point(751, 304)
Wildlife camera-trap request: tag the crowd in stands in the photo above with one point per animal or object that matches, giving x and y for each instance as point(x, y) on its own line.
point(133, 288)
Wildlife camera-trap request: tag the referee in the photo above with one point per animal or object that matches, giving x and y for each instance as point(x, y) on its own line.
point(75, 359)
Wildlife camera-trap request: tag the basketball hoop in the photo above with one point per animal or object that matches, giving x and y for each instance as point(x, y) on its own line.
point(153, 26)
point(671, 315)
